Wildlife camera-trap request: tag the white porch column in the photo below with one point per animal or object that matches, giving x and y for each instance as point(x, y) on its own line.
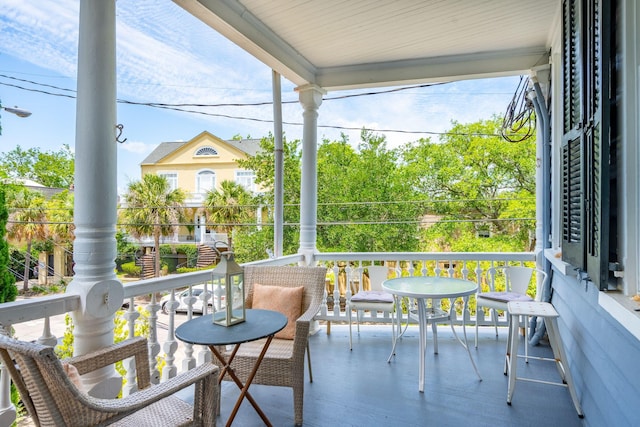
point(310, 97)
point(96, 190)
point(278, 182)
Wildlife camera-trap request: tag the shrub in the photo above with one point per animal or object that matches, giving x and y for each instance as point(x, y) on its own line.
point(131, 269)
point(191, 269)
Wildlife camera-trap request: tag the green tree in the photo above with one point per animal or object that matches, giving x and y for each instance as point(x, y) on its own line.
point(8, 290)
point(362, 197)
point(474, 175)
point(60, 215)
point(49, 168)
point(228, 207)
point(27, 223)
point(256, 241)
point(152, 209)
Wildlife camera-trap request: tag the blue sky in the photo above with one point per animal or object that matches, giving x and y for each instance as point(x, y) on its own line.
point(164, 55)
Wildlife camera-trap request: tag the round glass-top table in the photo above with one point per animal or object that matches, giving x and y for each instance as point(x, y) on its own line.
point(429, 287)
point(422, 288)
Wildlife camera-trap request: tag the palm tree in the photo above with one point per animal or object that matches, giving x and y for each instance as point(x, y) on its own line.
point(153, 208)
point(229, 206)
point(27, 222)
point(61, 225)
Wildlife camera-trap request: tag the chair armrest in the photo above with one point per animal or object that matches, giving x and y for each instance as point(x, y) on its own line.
point(135, 347)
point(143, 398)
point(303, 324)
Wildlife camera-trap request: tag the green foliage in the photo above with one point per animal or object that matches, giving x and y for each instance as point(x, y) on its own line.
point(361, 194)
point(64, 349)
point(153, 209)
point(60, 216)
point(191, 252)
point(251, 243)
point(8, 290)
point(126, 250)
point(229, 206)
point(181, 270)
point(263, 164)
point(477, 181)
point(27, 223)
point(131, 269)
point(50, 168)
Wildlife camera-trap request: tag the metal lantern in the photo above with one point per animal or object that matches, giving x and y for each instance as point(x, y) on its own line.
point(228, 278)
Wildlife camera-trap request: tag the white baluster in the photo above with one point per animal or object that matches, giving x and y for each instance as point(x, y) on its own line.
point(336, 290)
point(154, 345)
point(47, 338)
point(170, 346)
point(129, 364)
point(464, 270)
point(189, 362)
point(204, 354)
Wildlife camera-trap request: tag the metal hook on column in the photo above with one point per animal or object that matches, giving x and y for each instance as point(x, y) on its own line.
point(120, 127)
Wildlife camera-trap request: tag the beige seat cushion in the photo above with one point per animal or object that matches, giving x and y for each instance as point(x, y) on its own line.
point(287, 301)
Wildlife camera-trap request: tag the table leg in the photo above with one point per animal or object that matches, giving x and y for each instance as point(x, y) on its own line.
point(422, 320)
point(395, 337)
point(464, 344)
point(244, 388)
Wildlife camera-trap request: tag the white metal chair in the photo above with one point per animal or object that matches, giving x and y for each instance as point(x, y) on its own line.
point(517, 280)
point(374, 300)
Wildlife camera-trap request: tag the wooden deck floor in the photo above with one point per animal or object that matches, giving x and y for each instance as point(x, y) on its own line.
point(359, 388)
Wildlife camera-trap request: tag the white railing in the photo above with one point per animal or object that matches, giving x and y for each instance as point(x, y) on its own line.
point(347, 271)
point(345, 276)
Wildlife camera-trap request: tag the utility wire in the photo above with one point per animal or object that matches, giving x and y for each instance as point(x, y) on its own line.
point(371, 203)
point(290, 224)
point(181, 108)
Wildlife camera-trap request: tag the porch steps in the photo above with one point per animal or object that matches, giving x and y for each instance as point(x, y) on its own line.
point(206, 256)
point(147, 266)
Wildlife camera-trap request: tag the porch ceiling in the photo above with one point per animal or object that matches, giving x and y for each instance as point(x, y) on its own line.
point(339, 44)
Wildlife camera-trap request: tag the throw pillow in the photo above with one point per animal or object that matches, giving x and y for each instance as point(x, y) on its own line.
point(287, 301)
point(74, 376)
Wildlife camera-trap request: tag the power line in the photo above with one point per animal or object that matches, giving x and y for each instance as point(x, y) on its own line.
point(355, 203)
point(182, 108)
point(290, 224)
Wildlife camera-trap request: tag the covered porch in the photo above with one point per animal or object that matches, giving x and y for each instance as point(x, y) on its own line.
point(411, 46)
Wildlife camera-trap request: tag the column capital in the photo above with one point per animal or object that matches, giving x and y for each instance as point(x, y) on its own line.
point(310, 95)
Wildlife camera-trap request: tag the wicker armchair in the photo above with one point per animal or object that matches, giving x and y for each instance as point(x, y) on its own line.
point(283, 364)
point(53, 400)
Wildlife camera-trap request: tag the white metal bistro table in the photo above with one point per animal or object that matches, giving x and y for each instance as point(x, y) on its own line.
point(422, 288)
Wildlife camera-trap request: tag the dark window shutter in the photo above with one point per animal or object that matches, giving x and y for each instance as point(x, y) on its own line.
point(572, 150)
point(572, 203)
point(587, 65)
point(597, 136)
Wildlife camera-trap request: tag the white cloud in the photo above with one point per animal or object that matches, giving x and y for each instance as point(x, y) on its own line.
point(138, 147)
point(167, 55)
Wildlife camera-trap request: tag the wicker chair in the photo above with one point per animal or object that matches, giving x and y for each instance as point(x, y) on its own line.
point(53, 400)
point(283, 364)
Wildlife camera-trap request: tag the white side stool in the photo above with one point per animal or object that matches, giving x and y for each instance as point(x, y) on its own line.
point(550, 316)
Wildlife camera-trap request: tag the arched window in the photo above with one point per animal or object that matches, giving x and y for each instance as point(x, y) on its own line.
point(206, 151)
point(205, 181)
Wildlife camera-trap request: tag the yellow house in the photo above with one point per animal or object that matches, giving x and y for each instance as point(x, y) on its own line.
point(199, 165)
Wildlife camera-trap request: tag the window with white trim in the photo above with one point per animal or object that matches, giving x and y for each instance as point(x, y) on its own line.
point(172, 179)
point(247, 179)
point(206, 151)
point(205, 181)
